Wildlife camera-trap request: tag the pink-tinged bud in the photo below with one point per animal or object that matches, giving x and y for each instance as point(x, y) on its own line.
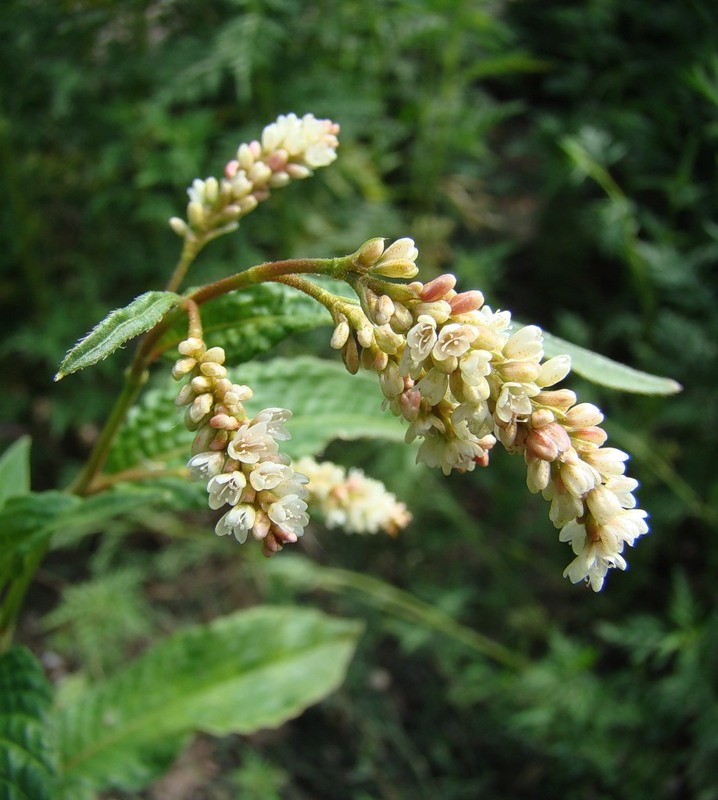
point(231, 168)
point(277, 160)
point(378, 362)
point(224, 422)
point(583, 415)
point(438, 288)
point(350, 356)
point(255, 148)
point(298, 171)
point(548, 442)
point(410, 403)
point(262, 524)
point(561, 399)
point(588, 438)
point(465, 302)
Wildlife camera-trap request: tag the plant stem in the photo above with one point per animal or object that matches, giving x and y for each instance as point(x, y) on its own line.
point(148, 350)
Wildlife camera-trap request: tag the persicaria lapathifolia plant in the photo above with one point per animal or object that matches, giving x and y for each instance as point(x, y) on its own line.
point(459, 375)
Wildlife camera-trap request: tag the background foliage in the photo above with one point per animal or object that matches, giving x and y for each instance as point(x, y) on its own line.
point(560, 156)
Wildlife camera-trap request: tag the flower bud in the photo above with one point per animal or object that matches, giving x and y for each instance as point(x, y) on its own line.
point(465, 302)
point(340, 334)
point(195, 214)
point(368, 253)
point(438, 288)
point(179, 226)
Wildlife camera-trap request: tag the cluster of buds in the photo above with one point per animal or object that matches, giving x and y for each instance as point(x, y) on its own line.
point(352, 500)
point(237, 456)
point(289, 148)
point(462, 379)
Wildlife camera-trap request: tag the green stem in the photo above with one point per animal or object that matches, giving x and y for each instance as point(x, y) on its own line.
point(190, 249)
point(13, 600)
point(148, 349)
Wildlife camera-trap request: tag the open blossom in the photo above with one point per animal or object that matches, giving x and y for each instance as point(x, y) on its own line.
point(463, 379)
point(237, 457)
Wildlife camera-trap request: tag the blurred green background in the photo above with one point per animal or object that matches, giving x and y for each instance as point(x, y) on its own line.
point(559, 155)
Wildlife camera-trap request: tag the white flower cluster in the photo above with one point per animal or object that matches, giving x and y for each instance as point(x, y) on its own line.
point(290, 148)
point(352, 500)
point(238, 457)
point(456, 372)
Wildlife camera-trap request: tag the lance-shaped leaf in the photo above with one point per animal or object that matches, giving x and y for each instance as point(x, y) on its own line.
point(27, 755)
point(252, 321)
point(607, 372)
point(326, 402)
point(15, 470)
point(118, 327)
point(254, 669)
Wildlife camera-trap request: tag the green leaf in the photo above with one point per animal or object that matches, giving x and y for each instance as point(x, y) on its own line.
point(15, 470)
point(252, 321)
point(28, 522)
point(250, 670)
point(27, 756)
point(327, 403)
point(118, 327)
point(606, 372)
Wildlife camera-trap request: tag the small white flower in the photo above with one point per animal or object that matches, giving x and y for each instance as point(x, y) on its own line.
point(237, 521)
point(205, 465)
point(226, 489)
point(275, 419)
point(268, 475)
point(513, 402)
point(453, 340)
point(289, 512)
point(250, 444)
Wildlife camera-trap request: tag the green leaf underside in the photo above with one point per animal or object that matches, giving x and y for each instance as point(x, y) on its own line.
point(118, 327)
point(27, 758)
point(605, 371)
point(252, 321)
point(15, 470)
point(250, 670)
point(326, 402)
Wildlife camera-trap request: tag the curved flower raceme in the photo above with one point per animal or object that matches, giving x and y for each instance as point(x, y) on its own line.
point(288, 149)
point(463, 379)
point(351, 500)
point(237, 457)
